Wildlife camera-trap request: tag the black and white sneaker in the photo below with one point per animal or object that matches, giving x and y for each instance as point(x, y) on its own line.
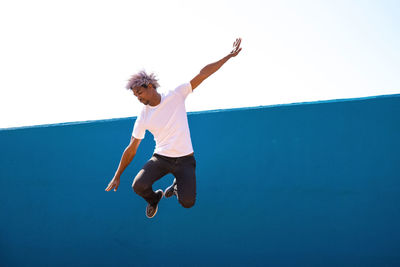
point(151, 210)
point(171, 190)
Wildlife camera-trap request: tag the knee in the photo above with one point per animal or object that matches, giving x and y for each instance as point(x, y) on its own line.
point(187, 203)
point(138, 186)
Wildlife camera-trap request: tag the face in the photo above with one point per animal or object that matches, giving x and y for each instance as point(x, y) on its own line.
point(143, 94)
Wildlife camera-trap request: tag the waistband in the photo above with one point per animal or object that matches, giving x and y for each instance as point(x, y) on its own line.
point(186, 156)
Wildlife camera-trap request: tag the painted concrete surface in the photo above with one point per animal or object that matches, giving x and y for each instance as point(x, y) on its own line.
point(310, 184)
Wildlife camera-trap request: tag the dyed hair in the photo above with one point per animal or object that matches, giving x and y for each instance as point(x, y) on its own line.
point(142, 79)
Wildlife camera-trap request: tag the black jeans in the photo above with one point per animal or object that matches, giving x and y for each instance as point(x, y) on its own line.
point(184, 170)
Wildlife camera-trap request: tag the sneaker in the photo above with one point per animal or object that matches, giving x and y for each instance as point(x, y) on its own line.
point(151, 210)
point(171, 190)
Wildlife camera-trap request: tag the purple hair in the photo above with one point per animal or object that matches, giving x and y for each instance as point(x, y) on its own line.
point(142, 78)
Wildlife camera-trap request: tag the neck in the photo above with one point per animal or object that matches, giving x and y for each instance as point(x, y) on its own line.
point(155, 100)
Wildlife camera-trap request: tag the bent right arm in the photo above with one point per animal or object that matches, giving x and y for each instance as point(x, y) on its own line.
point(126, 159)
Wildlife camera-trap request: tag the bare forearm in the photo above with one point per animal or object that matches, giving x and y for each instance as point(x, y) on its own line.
point(126, 159)
point(213, 67)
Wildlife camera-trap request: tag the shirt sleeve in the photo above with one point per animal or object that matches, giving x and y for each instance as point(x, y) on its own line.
point(139, 129)
point(184, 90)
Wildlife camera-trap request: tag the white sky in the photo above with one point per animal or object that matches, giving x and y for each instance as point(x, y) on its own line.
point(63, 61)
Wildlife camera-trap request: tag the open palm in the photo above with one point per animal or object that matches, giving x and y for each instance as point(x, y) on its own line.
point(236, 47)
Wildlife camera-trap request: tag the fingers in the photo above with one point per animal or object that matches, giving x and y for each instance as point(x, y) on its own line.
point(116, 187)
point(236, 44)
point(236, 47)
point(111, 186)
point(239, 41)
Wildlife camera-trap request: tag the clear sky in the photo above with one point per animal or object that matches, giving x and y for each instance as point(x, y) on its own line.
point(64, 61)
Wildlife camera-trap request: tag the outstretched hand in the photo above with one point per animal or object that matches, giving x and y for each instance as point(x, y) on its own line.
point(113, 184)
point(236, 47)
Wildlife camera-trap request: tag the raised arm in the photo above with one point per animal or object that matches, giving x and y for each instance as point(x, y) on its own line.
point(213, 67)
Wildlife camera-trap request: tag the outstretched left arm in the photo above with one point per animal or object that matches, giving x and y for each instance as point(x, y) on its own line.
point(213, 67)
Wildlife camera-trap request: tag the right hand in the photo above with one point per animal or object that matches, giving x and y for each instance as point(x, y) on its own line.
point(113, 184)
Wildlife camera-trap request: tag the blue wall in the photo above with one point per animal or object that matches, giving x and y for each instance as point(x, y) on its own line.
point(313, 184)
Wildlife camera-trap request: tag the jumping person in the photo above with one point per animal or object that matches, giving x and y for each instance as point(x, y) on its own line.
point(164, 115)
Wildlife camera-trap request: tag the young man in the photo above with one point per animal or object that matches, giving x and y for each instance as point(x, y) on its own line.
point(164, 115)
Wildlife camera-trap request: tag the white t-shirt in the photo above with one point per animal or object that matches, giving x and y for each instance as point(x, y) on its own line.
point(168, 123)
